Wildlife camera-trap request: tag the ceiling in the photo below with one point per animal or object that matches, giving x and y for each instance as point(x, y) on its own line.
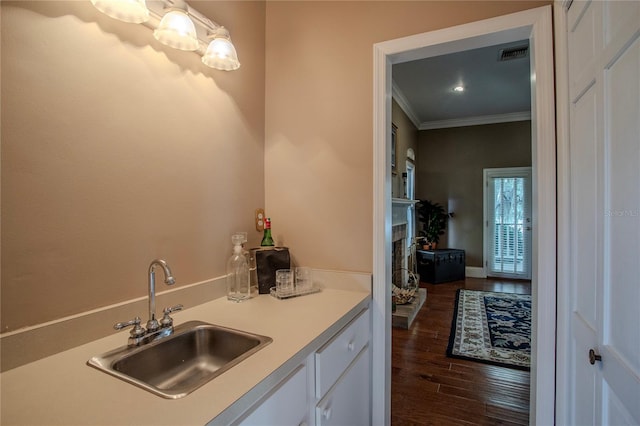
point(494, 91)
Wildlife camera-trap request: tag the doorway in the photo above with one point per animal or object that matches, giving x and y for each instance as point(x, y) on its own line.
point(535, 25)
point(507, 222)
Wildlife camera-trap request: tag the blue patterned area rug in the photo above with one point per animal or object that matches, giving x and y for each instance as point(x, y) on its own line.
point(493, 328)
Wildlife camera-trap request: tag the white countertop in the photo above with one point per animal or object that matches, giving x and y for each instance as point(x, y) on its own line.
point(62, 389)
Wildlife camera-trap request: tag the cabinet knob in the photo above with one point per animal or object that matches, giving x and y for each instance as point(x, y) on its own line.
point(350, 346)
point(593, 357)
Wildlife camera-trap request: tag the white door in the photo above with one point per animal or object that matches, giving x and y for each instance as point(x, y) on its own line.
point(604, 185)
point(507, 219)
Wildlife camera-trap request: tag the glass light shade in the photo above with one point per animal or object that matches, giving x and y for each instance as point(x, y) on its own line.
point(134, 11)
point(176, 30)
point(221, 54)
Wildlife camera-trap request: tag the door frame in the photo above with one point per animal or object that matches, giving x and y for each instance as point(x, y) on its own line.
point(536, 25)
point(486, 250)
point(564, 393)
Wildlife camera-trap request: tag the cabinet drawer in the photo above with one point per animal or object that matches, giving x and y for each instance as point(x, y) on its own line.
point(334, 357)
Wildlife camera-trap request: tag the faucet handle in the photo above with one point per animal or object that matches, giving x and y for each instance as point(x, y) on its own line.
point(136, 331)
point(166, 320)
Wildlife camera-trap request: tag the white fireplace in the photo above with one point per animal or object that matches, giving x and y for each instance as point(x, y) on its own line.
point(402, 235)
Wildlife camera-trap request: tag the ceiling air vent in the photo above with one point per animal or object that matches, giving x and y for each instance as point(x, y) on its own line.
point(513, 53)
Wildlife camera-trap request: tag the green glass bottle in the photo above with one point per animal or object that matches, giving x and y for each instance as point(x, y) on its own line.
point(267, 240)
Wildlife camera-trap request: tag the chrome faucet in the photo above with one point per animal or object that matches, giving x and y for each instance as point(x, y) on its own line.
point(153, 324)
point(155, 329)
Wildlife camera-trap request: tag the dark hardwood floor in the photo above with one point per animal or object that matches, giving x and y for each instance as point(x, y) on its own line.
point(428, 388)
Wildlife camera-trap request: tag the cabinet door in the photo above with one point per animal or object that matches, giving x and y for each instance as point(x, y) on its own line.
point(348, 402)
point(339, 352)
point(286, 405)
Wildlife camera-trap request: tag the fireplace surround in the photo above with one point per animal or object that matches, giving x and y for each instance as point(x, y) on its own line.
point(402, 228)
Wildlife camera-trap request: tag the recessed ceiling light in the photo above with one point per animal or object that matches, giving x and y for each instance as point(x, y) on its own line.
point(458, 89)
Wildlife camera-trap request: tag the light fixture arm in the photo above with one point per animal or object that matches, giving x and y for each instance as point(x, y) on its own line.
point(193, 13)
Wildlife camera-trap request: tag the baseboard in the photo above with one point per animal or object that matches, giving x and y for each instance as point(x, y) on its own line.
point(474, 272)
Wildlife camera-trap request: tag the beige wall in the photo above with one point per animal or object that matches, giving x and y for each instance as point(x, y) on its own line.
point(319, 108)
point(449, 171)
point(407, 137)
point(117, 150)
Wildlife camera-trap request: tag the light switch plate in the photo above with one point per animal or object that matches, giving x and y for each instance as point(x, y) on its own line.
point(260, 220)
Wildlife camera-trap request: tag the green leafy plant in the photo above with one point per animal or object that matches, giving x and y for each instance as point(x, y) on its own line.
point(433, 218)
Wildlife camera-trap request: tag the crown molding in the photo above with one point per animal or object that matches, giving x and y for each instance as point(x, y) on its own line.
point(399, 97)
point(476, 121)
point(402, 101)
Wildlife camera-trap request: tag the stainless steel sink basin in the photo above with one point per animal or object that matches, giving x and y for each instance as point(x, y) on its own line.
point(180, 363)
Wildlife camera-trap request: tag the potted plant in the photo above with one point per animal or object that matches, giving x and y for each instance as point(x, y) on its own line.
point(434, 221)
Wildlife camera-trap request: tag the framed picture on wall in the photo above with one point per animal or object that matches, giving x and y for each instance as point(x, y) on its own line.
point(394, 147)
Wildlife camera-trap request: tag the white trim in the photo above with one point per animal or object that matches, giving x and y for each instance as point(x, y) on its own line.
point(401, 99)
point(381, 303)
point(543, 273)
point(474, 272)
point(404, 104)
point(534, 24)
point(476, 121)
point(403, 202)
point(563, 353)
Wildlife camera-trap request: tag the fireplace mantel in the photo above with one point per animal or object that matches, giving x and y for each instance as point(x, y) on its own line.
point(403, 202)
point(399, 207)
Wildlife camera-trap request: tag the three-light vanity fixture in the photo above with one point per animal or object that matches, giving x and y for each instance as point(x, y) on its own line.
point(177, 25)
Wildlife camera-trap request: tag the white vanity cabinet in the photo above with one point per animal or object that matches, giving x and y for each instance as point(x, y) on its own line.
point(331, 387)
point(286, 404)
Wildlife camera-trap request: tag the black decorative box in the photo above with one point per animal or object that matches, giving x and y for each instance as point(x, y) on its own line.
point(441, 265)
